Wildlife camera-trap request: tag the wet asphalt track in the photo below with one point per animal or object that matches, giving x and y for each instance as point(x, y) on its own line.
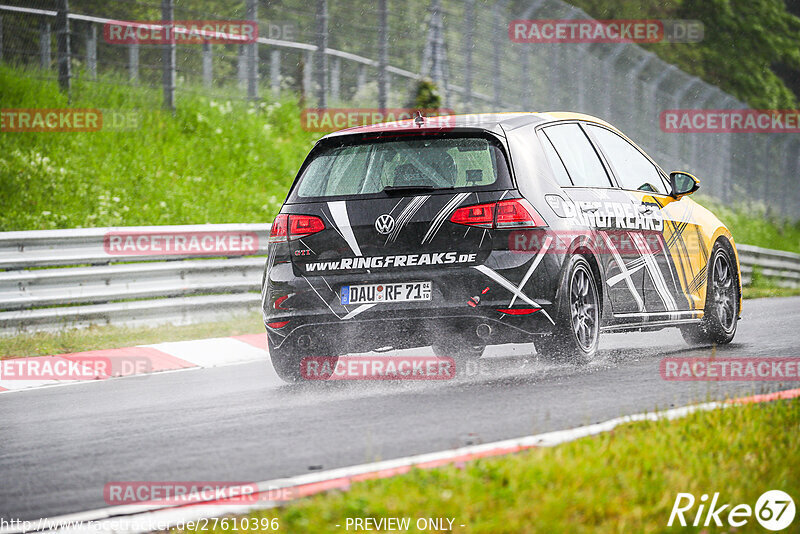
point(59, 446)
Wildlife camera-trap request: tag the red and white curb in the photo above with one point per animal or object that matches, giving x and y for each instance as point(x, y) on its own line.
point(148, 359)
point(133, 519)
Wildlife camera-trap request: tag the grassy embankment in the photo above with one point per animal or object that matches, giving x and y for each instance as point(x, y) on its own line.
point(621, 481)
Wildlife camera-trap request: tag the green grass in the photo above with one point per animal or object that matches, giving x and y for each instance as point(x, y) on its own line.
point(621, 481)
point(770, 291)
point(109, 337)
point(212, 162)
point(755, 225)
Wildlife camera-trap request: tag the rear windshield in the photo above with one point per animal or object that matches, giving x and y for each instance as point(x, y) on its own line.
point(368, 168)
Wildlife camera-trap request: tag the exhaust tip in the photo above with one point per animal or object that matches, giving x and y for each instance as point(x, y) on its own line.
point(483, 331)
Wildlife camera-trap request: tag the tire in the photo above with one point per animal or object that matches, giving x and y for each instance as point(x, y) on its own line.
point(287, 360)
point(721, 313)
point(576, 333)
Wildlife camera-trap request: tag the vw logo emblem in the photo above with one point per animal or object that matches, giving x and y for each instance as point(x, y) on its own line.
point(384, 224)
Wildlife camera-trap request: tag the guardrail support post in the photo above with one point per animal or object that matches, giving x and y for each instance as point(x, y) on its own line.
point(275, 71)
point(44, 45)
point(252, 54)
point(168, 16)
point(383, 55)
point(91, 50)
point(208, 65)
point(321, 64)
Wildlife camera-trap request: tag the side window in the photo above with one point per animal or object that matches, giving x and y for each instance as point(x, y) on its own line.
point(634, 171)
point(577, 153)
point(559, 171)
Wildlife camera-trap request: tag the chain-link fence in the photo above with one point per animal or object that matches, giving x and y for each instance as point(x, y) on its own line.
point(349, 53)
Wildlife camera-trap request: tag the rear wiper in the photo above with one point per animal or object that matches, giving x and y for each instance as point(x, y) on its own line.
point(394, 189)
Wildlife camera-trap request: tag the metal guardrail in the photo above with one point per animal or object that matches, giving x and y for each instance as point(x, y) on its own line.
point(141, 275)
point(130, 275)
point(783, 268)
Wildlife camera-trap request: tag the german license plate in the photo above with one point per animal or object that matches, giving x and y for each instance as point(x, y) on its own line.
point(397, 292)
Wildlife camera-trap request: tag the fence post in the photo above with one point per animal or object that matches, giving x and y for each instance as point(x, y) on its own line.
point(208, 65)
point(525, 79)
point(168, 15)
point(362, 77)
point(241, 67)
point(1, 37)
point(469, 28)
point(307, 73)
point(728, 192)
point(336, 70)
point(497, 35)
point(383, 55)
point(275, 71)
point(63, 44)
point(91, 50)
point(786, 208)
point(133, 62)
point(656, 134)
point(793, 173)
point(321, 65)
point(252, 54)
point(44, 44)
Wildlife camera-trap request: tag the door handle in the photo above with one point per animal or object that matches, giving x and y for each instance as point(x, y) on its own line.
point(643, 209)
point(591, 209)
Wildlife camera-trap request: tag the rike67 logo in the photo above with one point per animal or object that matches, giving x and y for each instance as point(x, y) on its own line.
point(774, 511)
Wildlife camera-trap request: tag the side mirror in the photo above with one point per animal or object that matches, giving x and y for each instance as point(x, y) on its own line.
point(683, 183)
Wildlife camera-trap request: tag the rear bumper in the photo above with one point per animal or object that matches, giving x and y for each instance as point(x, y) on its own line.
point(462, 299)
point(405, 330)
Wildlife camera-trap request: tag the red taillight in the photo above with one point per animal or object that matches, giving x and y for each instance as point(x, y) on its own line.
point(286, 227)
point(279, 226)
point(478, 215)
point(517, 213)
point(503, 215)
point(278, 324)
point(304, 225)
